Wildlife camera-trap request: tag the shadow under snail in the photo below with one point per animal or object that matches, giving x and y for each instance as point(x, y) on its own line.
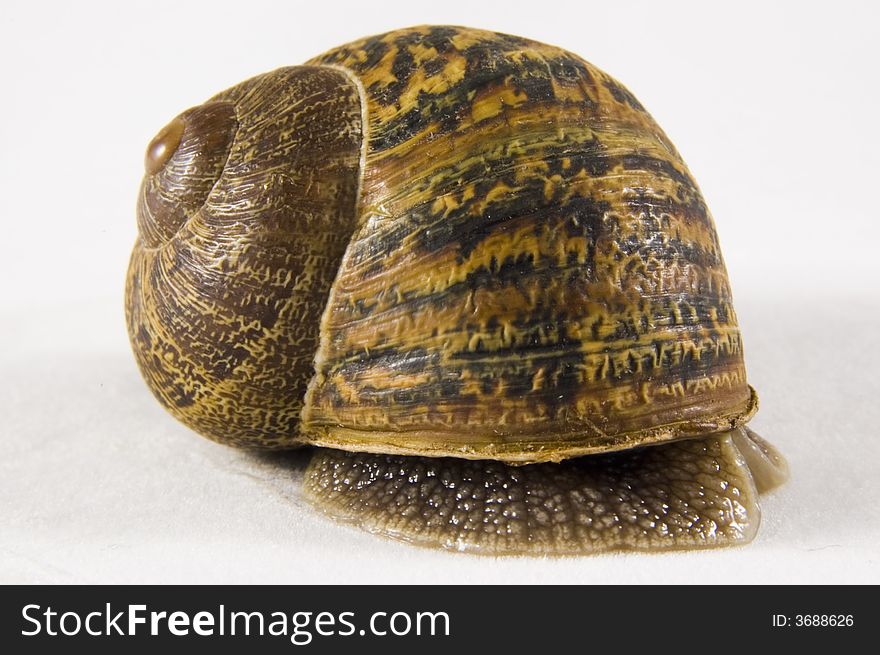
point(473, 271)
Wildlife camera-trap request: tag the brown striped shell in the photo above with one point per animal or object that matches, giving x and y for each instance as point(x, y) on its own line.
point(437, 241)
point(534, 274)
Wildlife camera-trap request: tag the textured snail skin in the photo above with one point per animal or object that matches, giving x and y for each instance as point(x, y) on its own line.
point(688, 494)
point(446, 242)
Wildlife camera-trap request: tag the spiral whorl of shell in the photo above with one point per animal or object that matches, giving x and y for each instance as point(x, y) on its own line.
point(242, 233)
point(534, 273)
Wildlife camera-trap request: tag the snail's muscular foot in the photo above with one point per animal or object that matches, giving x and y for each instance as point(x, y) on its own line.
point(689, 494)
point(767, 465)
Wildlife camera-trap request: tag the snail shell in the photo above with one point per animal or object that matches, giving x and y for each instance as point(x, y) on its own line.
point(438, 242)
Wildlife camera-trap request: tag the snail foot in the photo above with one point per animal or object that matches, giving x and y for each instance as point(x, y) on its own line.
point(692, 494)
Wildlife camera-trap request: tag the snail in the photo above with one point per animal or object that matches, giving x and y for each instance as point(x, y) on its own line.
point(470, 271)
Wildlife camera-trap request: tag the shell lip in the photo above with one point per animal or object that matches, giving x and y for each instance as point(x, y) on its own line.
point(576, 444)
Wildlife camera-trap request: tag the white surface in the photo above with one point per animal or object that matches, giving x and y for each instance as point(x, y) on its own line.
point(773, 108)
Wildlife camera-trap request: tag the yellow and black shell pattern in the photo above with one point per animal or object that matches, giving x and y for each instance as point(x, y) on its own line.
point(439, 241)
point(534, 272)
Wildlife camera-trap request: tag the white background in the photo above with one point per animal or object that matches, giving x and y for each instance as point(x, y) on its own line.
point(773, 106)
